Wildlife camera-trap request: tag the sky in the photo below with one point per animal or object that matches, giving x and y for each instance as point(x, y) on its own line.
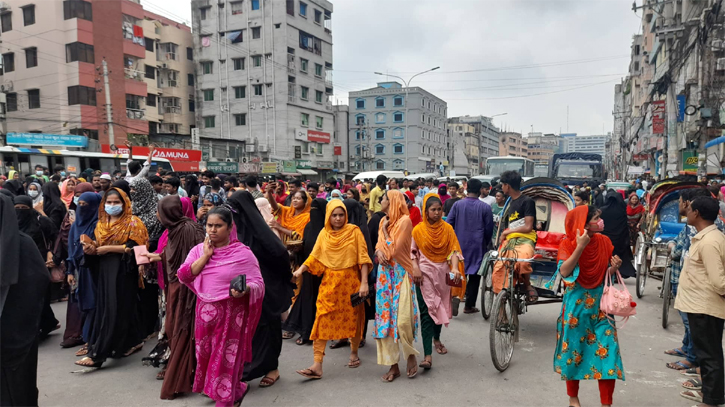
point(532, 60)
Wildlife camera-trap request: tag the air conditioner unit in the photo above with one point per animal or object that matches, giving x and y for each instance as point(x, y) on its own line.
point(263, 148)
point(249, 149)
point(229, 160)
point(720, 66)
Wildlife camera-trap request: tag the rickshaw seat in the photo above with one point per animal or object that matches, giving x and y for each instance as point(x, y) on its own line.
point(548, 241)
point(669, 230)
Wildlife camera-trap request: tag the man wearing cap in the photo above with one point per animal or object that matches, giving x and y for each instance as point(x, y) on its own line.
point(105, 182)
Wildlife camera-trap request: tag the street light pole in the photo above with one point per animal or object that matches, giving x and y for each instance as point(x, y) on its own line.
point(407, 85)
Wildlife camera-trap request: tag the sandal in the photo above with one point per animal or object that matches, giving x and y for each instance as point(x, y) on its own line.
point(676, 352)
point(339, 344)
point(300, 341)
point(471, 310)
point(455, 303)
point(161, 375)
point(308, 373)
point(287, 335)
point(83, 351)
point(691, 372)
point(389, 377)
point(268, 381)
point(84, 362)
point(532, 295)
point(692, 395)
point(679, 365)
point(362, 344)
point(441, 348)
point(695, 384)
point(353, 364)
point(133, 350)
point(426, 364)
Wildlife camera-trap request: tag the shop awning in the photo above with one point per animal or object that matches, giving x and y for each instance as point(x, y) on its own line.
point(306, 172)
point(291, 174)
point(715, 142)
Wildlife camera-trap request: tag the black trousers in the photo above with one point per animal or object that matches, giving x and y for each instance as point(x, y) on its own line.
point(706, 332)
point(472, 286)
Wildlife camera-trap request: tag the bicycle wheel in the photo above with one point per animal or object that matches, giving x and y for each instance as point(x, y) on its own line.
point(642, 272)
point(487, 295)
point(641, 265)
point(502, 330)
point(666, 298)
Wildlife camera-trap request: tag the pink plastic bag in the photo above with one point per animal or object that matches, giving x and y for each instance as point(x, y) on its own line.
point(616, 301)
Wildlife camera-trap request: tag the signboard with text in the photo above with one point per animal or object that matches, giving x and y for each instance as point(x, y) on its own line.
point(172, 154)
point(337, 150)
point(269, 168)
point(689, 161)
point(223, 167)
point(289, 166)
point(318, 136)
point(681, 100)
point(248, 168)
point(658, 117)
point(304, 164)
point(42, 139)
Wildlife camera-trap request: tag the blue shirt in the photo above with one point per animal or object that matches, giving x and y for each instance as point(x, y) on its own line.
point(472, 220)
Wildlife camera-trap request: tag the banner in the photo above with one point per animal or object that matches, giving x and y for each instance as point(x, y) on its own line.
point(289, 166)
point(318, 136)
point(681, 100)
point(658, 117)
point(222, 167)
point(689, 161)
point(269, 168)
point(168, 153)
point(248, 168)
point(337, 150)
point(41, 139)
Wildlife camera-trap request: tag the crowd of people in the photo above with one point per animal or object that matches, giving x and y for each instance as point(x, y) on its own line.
point(220, 270)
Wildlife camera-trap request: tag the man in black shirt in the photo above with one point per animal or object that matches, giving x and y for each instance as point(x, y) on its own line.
point(453, 192)
point(518, 237)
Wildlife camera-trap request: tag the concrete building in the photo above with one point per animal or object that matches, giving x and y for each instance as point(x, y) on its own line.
point(340, 139)
point(397, 128)
point(586, 144)
point(542, 146)
point(489, 136)
point(462, 133)
point(511, 143)
point(264, 75)
point(52, 54)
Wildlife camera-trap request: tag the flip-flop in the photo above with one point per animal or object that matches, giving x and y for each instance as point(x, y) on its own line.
point(339, 344)
point(362, 344)
point(311, 375)
point(287, 335)
point(691, 372)
point(441, 349)
point(83, 351)
point(133, 350)
point(301, 341)
point(411, 376)
point(94, 364)
point(455, 303)
point(676, 352)
point(695, 382)
point(393, 377)
point(677, 365)
point(351, 364)
point(425, 364)
point(268, 381)
point(471, 310)
point(692, 395)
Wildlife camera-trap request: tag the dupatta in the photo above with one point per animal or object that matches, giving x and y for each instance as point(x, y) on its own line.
point(594, 260)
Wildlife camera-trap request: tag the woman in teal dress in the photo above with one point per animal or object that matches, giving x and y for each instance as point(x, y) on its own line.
point(586, 347)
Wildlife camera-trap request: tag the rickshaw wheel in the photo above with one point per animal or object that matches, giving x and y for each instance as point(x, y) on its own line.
point(487, 295)
point(502, 330)
point(642, 279)
point(641, 264)
point(667, 297)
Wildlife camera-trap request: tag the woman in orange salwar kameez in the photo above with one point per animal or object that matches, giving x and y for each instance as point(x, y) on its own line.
point(341, 257)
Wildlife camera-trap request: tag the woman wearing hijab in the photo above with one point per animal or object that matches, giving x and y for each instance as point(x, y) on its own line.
point(341, 257)
point(336, 194)
point(226, 319)
point(183, 235)
point(396, 313)
point(302, 315)
point(67, 189)
point(281, 193)
point(22, 295)
point(587, 347)
point(614, 215)
point(209, 201)
point(413, 210)
point(53, 206)
point(34, 192)
point(635, 217)
point(436, 254)
point(14, 186)
point(266, 210)
point(116, 331)
point(274, 265)
point(443, 193)
point(191, 186)
point(82, 270)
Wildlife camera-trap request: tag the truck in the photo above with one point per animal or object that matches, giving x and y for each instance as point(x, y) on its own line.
point(574, 169)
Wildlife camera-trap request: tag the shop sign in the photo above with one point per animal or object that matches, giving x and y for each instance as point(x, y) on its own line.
point(248, 168)
point(303, 164)
point(689, 161)
point(269, 168)
point(42, 139)
point(289, 166)
point(318, 136)
point(301, 134)
point(681, 99)
point(337, 150)
point(658, 117)
point(640, 157)
point(172, 154)
point(324, 165)
point(222, 167)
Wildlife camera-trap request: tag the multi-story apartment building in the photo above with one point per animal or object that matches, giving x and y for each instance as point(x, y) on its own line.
point(264, 74)
point(465, 133)
point(489, 136)
point(585, 144)
point(52, 54)
point(511, 143)
point(397, 128)
point(542, 146)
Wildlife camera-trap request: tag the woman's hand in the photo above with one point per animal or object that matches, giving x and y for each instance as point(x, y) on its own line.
point(457, 277)
point(237, 294)
point(382, 259)
point(102, 250)
point(298, 272)
point(141, 269)
point(208, 247)
point(364, 289)
point(616, 262)
point(71, 279)
point(89, 249)
point(582, 239)
point(202, 212)
point(49, 261)
point(153, 257)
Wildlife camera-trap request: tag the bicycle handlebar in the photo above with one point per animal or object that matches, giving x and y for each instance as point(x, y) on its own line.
point(517, 260)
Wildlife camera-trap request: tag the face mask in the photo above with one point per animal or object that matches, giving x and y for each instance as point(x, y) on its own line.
point(32, 194)
point(39, 173)
point(599, 226)
point(113, 210)
point(76, 199)
point(62, 173)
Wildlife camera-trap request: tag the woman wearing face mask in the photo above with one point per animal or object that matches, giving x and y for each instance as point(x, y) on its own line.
point(587, 347)
point(34, 192)
point(53, 206)
point(117, 232)
point(66, 191)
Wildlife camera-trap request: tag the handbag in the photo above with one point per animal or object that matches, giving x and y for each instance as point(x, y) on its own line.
point(451, 281)
point(616, 300)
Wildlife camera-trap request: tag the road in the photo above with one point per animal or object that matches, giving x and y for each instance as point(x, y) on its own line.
point(465, 376)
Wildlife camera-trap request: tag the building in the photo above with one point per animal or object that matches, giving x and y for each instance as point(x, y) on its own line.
point(542, 146)
point(462, 133)
point(586, 144)
point(397, 128)
point(489, 136)
point(511, 143)
point(53, 75)
point(340, 139)
point(264, 76)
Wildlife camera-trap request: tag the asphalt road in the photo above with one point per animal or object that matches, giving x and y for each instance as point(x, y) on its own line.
point(465, 376)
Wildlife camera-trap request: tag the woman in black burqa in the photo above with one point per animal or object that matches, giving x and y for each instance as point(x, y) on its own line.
point(22, 293)
point(616, 228)
point(302, 315)
point(273, 259)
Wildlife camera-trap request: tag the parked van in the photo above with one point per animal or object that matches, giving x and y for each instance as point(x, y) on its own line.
point(426, 175)
point(374, 174)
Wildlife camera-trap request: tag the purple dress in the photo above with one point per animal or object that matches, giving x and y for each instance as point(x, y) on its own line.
point(473, 222)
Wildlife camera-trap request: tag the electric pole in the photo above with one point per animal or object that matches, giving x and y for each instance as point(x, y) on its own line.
point(109, 113)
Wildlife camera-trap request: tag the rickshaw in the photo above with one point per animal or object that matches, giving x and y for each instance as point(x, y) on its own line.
point(552, 204)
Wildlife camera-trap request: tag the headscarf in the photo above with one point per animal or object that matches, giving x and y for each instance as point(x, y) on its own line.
point(400, 230)
point(29, 223)
point(11, 174)
point(343, 248)
point(192, 185)
point(14, 186)
point(281, 198)
point(616, 228)
point(38, 198)
point(266, 210)
point(336, 191)
point(631, 211)
point(85, 224)
point(595, 257)
point(214, 197)
point(443, 196)
point(9, 246)
point(356, 216)
point(144, 203)
point(184, 233)
point(253, 231)
point(297, 223)
point(51, 198)
point(122, 184)
point(127, 227)
point(188, 208)
point(84, 187)
point(314, 227)
point(415, 216)
point(436, 241)
point(65, 195)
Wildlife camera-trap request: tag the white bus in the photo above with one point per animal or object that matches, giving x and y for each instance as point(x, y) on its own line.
point(497, 165)
point(24, 160)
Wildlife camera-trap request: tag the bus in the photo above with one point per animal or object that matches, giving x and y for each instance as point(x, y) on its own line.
point(574, 169)
point(24, 160)
point(497, 165)
point(541, 170)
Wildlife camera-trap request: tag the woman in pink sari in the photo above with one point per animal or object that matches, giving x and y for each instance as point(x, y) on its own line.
point(225, 318)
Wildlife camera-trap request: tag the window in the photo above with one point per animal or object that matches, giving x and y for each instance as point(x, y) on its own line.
point(360, 119)
point(256, 33)
point(318, 70)
point(305, 119)
point(303, 9)
point(379, 149)
point(257, 90)
point(318, 96)
point(11, 102)
point(398, 164)
point(291, 7)
point(6, 19)
point(81, 95)
point(380, 102)
point(203, 11)
point(380, 165)
point(380, 134)
point(310, 43)
point(422, 118)
point(256, 60)
point(8, 62)
point(398, 117)
point(77, 9)
point(422, 102)
point(150, 100)
point(207, 67)
point(133, 102)
point(429, 105)
point(33, 99)
point(192, 105)
point(303, 65)
point(150, 71)
point(190, 79)
point(318, 122)
point(398, 101)
point(189, 53)
point(208, 95)
point(240, 92)
point(28, 15)
point(78, 51)
point(380, 118)
point(237, 7)
point(149, 44)
point(398, 133)
point(360, 103)
point(318, 16)
point(305, 93)
point(358, 134)
point(255, 4)
point(31, 57)
point(238, 63)
point(397, 149)
point(209, 122)
point(240, 119)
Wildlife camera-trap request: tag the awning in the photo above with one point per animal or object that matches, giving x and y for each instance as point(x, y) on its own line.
point(291, 174)
point(306, 172)
point(715, 142)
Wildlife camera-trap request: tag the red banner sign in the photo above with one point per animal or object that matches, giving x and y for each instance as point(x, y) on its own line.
point(658, 117)
point(171, 154)
point(318, 136)
point(640, 157)
point(338, 150)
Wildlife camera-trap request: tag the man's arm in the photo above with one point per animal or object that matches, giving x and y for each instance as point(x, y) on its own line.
point(711, 256)
point(147, 165)
point(130, 154)
point(487, 225)
point(451, 218)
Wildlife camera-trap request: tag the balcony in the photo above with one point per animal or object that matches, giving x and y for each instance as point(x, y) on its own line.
point(172, 110)
point(291, 95)
point(291, 64)
point(134, 74)
point(136, 114)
